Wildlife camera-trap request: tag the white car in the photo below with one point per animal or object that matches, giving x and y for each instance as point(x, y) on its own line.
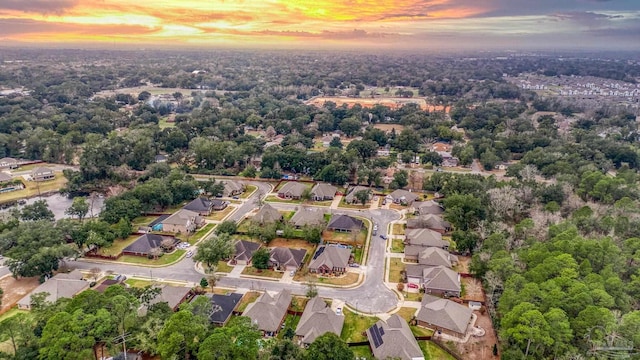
point(189, 254)
point(339, 311)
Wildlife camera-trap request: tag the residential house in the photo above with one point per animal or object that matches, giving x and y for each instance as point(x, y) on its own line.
point(201, 205)
point(330, 260)
point(428, 208)
point(448, 160)
point(172, 295)
point(345, 223)
point(322, 192)
point(244, 251)
point(384, 151)
point(286, 259)
point(267, 215)
point(502, 166)
point(433, 256)
point(268, 312)
point(351, 198)
point(160, 158)
point(431, 222)
point(58, 287)
point(219, 205)
point(143, 245)
point(292, 190)
point(182, 221)
point(444, 316)
point(42, 174)
point(222, 306)
point(402, 197)
point(393, 339)
point(425, 237)
point(441, 280)
point(232, 188)
point(308, 217)
point(8, 163)
point(7, 183)
point(317, 320)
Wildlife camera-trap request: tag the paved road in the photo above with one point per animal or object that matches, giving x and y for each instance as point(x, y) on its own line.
point(371, 296)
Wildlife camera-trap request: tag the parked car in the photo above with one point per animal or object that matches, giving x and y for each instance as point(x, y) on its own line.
point(293, 272)
point(412, 285)
point(354, 265)
point(383, 237)
point(339, 311)
point(189, 253)
point(235, 197)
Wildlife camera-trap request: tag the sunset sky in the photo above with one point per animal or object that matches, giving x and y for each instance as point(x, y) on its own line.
point(408, 24)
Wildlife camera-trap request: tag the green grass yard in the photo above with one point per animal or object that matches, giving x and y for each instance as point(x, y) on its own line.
point(394, 271)
point(397, 246)
point(165, 259)
point(355, 325)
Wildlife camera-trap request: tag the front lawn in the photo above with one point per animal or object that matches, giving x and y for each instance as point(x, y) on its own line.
point(394, 271)
point(412, 296)
point(407, 313)
point(200, 233)
point(398, 229)
point(345, 237)
point(248, 191)
point(358, 206)
point(250, 270)
point(165, 259)
point(275, 198)
point(347, 279)
point(397, 246)
point(224, 267)
point(137, 283)
point(220, 215)
point(355, 325)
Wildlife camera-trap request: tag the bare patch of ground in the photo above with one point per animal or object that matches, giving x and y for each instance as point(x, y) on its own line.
point(14, 290)
point(480, 348)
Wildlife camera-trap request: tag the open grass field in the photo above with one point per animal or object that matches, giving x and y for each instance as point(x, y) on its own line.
point(248, 191)
point(347, 279)
point(33, 188)
point(355, 325)
point(165, 259)
point(247, 299)
point(394, 270)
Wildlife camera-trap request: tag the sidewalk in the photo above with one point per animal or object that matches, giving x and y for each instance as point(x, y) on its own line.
point(237, 270)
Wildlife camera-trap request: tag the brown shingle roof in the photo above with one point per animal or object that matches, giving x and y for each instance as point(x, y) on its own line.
point(267, 312)
point(318, 319)
point(445, 314)
point(394, 340)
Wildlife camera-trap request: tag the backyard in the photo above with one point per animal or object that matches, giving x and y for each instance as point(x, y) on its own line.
point(355, 325)
point(15, 289)
point(290, 324)
point(117, 246)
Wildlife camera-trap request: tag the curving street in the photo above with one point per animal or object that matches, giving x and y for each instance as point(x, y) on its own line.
point(370, 296)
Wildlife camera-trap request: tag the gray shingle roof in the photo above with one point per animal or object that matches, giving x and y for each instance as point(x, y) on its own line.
point(267, 312)
point(425, 237)
point(293, 188)
point(429, 221)
point(434, 256)
point(444, 313)
point(287, 257)
point(344, 222)
point(245, 249)
point(318, 319)
point(172, 295)
point(183, 217)
point(232, 187)
point(308, 216)
point(199, 204)
point(324, 190)
point(351, 194)
point(40, 171)
point(59, 286)
point(403, 196)
point(428, 207)
point(397, 340)
point(267, 214)
point(222, 306)
point(441, 278)
point(4, 177)
point(146, 242)
point(331, 256)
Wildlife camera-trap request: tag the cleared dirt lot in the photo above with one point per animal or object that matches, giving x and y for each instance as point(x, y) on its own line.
point(480, 348)
point(393, 103)
point(14, 290)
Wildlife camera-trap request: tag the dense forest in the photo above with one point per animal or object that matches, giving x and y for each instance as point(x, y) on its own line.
point(556, 240)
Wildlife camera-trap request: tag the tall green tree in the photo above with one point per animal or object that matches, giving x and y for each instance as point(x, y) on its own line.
point(181, 335)
point(39, 210)
point(214, 249)
point(329, 347)
point(260, 259)
point(237, 340)
point(79, 208)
